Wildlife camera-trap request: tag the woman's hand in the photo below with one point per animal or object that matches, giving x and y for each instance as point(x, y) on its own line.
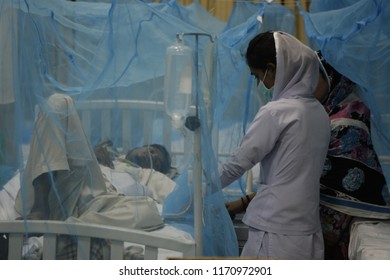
point(235, 207)
point(239, 205)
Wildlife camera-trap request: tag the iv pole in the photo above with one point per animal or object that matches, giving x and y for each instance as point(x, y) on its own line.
point(193, 124)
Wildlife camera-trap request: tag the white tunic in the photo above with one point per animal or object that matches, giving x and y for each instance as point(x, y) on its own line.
point(291, 150)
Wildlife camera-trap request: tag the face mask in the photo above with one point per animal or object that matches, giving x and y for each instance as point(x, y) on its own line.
point(266, 92)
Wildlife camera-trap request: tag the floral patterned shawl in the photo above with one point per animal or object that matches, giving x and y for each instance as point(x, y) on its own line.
point(352, 183)
point(352, 171)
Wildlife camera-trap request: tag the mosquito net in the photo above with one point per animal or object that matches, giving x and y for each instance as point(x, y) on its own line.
point(278, 16)
point(353, 36)
point(145, 99)
point(85, 85)
point(81, 79)
point(194, 14)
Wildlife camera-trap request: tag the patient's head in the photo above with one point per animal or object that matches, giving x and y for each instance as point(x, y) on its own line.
point(153, 156)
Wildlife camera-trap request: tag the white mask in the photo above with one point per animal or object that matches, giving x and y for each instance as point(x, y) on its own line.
point(266, 92)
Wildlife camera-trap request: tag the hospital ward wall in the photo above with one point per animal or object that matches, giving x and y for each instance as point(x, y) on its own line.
point(222, 9)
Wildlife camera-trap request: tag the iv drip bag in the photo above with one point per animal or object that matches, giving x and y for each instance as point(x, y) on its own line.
point(178, 82)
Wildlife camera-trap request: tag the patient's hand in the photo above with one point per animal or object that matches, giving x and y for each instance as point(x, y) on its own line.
point(103, 156)
point(234, 207)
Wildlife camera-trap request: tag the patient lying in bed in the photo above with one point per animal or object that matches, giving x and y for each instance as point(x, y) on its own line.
point(143, 170)
point(122, 177)
point(63, 180)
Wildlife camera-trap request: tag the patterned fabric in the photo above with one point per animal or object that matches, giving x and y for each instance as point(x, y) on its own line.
point(335, 229)
point(352, 180)
point(350, 123)
point(352, 183)
point(352, 166)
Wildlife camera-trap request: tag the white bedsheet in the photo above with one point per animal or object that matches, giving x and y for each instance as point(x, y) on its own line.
point(130, 180)
point(171, 232)
point(126, 180)
point(159, 186)
point(7, 199)
point(369, 240)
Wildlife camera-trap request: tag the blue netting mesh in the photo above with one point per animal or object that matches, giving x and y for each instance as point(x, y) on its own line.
point(112, 54)
point(354, 37)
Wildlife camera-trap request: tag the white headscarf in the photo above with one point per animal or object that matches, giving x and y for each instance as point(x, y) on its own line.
point(296, 68)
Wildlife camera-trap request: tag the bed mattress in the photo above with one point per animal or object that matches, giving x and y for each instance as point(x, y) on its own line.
point(370, 240)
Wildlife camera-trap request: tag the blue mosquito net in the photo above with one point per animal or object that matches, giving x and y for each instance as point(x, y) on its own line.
point(109, 57)
point(103, 66)
point(278, 16)
point(354, 37)
point(105, 77)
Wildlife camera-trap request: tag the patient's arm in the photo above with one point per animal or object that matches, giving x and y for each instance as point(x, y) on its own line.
point(102, 155)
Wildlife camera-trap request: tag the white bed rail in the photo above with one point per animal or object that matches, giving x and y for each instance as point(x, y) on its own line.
point(16, 231)
point(146, 110)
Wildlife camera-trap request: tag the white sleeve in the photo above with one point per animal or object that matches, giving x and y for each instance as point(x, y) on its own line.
point(260, 139)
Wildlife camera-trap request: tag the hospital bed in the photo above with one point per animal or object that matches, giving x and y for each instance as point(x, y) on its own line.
point(370, 237)
point(144, 110)
point(157, 244)
point(370, 240)
point(148, 115)
point(161, 243)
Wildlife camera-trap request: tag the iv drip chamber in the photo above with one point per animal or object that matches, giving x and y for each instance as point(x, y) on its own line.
point(178, 83)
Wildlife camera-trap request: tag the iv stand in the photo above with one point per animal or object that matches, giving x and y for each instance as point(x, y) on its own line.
point(193, 124)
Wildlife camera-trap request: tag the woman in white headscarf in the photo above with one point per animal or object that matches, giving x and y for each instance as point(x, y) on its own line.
point(289, 137)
